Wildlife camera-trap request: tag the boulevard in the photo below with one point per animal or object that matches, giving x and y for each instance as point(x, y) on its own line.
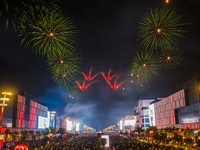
point(93, 141)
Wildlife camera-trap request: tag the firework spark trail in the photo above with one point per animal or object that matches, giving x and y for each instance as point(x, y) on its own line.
point(89, 77)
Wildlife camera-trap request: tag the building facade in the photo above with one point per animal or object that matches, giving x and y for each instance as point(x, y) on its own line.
point(21, 112)
point(181, 109)
point(142, 112)
point(165, 109)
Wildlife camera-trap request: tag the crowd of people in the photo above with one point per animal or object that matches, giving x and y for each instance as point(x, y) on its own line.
point(88, 142)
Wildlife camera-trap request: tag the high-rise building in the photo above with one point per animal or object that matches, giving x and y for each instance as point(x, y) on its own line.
point(21, 112)
point(181, 109)
point(165, 109)
point(142, 112)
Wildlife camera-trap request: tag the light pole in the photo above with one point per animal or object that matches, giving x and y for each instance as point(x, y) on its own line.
point(3, 105)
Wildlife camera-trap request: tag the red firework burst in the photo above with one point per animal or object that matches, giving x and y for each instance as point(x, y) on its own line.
point(84, 86)
point(89, 77)
point(115, 86)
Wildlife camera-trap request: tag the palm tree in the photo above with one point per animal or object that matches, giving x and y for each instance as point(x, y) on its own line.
point(49, 130)
point(139, 129)
point(62, 131)
point(151, 128)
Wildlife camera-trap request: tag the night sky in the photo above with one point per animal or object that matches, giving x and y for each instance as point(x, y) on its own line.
point(107, 39)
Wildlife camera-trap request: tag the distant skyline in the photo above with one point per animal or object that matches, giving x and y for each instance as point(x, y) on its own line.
point(107, 39)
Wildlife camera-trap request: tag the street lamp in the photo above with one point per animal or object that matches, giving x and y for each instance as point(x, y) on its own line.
point(4, 99)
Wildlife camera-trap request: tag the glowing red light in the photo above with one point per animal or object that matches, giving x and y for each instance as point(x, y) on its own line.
point(86, 87)
point(111, 86)
point(135, 134)
point(80, 87)
point(20, 147)
point(116, 87)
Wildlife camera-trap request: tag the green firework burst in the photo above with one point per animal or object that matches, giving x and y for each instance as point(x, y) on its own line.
point(161, 28)
point(145, 65)
point(10, 10)
point(70, 95)
point(171, 58)
point(45, 28)
point(125, 90)
point(142, 85)
point(64, 65)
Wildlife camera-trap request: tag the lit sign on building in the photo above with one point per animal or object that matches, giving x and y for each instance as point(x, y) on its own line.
point(129, 122)
point(69, 125)
point(43, 122)
point(120, 125)
point(107, 140)
point(77, 126)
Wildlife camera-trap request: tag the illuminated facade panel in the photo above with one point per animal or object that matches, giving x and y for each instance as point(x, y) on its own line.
point(120, 125)
point(165, 109)
point(129, 122)
point(69, 125)
point(152, 115)
point(43, 122)
point(142, 112)
point(190, 114)
point(77, 126)
point(21, 111)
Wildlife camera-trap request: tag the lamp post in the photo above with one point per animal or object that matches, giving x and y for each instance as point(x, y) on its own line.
point(3, 105)
point(52, 116)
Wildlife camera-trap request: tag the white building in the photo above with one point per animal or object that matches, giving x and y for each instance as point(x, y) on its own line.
point(142, 112)
point(127, 123)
